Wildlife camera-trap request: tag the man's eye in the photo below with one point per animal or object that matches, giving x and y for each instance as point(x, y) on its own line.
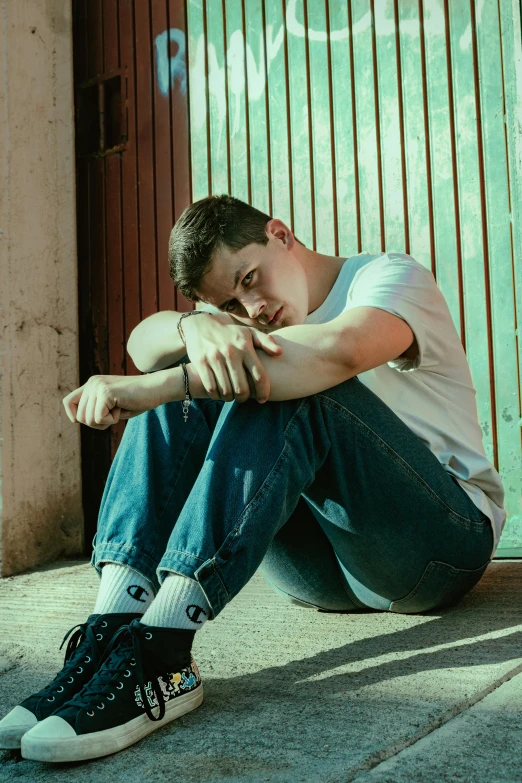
point(232, 303)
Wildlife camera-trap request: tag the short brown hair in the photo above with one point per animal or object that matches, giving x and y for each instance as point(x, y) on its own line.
point(204, 227)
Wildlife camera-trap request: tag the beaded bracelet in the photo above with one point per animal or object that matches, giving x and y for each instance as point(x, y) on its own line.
point(188, 399)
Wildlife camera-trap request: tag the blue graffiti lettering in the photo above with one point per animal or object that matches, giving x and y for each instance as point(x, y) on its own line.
point(171, 68)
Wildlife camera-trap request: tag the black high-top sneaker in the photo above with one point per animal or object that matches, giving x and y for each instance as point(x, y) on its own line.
point(146, 679)
point(82, 657)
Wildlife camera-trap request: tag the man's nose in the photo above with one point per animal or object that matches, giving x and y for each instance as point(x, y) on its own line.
point(254, 309)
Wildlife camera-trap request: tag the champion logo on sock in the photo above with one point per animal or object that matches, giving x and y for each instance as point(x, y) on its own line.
point(193, 612)
point(138, 592)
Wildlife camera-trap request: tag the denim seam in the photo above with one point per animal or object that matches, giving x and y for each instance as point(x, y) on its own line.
point(354, 599)
point(440, 566)
point(275, 471)
point(216, 573)
point(181, 465)
point(477, 524)
point(432, 566)
point(118, 548)
point(315, 606)
point(182, 552)
point(172, 571)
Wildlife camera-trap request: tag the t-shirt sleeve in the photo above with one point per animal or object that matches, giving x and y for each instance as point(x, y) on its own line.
point(404, 287)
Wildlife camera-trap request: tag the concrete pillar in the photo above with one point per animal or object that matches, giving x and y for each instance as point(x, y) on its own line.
point(40, 481)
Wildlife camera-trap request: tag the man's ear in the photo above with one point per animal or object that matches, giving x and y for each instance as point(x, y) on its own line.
point(279, 230)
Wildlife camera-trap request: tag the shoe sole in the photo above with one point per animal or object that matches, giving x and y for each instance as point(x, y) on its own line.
point(11, 740)
point(103, 743)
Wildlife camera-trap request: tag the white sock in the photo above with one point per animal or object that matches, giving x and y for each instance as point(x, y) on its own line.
point(122, 590)
point(180, 603)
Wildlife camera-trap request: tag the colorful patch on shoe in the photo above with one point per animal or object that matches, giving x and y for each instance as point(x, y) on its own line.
point(173, 685)
point(195, 670)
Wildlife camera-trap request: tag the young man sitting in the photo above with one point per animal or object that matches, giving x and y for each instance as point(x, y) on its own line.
point(316, 420)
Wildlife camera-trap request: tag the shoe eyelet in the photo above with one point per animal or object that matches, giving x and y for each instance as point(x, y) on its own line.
point(88, 659)
point(71, 679)
point(80, 670)
point(90, 714)
point(99, 636)
point(104, 624)
point(128, 673)
point(101, 706)
point(120, 686)
point(133, 663)
point(60, 689)
point(148, 636)
point(51, 699)
point(111, 697)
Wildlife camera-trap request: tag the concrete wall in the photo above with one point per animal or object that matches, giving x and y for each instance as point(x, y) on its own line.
point(40, 482)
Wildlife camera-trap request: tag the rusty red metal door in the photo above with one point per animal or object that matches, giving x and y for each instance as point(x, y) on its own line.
point(133, 182)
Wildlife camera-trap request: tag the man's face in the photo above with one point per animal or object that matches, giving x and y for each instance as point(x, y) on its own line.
point(269, 278)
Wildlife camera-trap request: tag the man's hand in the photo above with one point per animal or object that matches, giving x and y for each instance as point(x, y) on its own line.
point(223, 353)
point(105, 399)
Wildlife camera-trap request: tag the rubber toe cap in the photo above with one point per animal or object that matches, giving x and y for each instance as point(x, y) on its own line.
point(15, 724)
point(52, 728)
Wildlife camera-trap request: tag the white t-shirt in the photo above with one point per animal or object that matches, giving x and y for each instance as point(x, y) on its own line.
point(434, 393)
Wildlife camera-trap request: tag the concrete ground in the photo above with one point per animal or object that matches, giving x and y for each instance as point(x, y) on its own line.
point(292, 694)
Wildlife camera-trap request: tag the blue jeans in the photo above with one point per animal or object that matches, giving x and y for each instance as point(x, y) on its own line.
point(337, 502)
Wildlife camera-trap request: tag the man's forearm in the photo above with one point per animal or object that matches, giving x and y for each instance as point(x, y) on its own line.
point(312, 362)
point(155, 342)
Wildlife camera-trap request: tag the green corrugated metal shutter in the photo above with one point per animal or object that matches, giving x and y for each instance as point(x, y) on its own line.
point(382, 124)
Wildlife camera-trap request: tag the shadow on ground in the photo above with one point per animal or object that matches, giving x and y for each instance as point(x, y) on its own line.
point(292, 694)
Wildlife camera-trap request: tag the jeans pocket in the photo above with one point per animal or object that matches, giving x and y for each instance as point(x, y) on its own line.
point(440, 585)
